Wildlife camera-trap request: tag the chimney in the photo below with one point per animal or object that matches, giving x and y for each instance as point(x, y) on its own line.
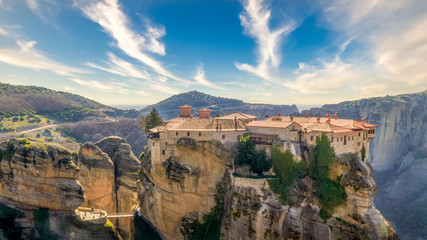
point(327, 115)
point(292, 119)
point(185, 111)
point(266, 116)
point(318, 119)
point(363, 120)
point(328, 121)
point(335, 116)
point(306, 115)
point(279, 114)
point(204, 113)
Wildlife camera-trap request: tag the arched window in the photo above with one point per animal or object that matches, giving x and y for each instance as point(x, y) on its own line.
point(223, 137)
point(176, 133)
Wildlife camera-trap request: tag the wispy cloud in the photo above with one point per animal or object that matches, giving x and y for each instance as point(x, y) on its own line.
point(27, 56)
point(113, 87)
point(120, 67)
point(201, 79)
point(393, 33)
point(3, 32)
point(255, 21)
point(110, 17)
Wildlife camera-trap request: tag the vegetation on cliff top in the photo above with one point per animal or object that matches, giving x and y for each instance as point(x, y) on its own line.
point(248, 155)
point(330, 193)
point(152, 119)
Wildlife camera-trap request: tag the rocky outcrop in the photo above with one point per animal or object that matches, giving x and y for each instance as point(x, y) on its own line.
point(253, 211)
point(25, 222)
point(398, 154)
point(123, 177)
point(176, 193)
point(39, 175)
point(97, 178)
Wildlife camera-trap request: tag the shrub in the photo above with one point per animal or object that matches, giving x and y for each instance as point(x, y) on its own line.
point(248, 155)
point(330, 193)
point(287, 171)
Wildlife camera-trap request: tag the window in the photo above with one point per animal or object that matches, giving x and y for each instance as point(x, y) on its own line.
point(332, 139)
point(200, 134)
point(166, 143)
point(373, 131)
point(163, 152)
point(311, 138)
point(359, 134)
point(358, 144)
point(153, 144)
point(338, 139)
point(352, 138)
point(188, 133)
point(176, 133)
point(345, 140)
point(223, 137)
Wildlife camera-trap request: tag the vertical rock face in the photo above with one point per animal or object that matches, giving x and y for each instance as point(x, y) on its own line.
point(254, 212)
point(123, 169)
point(39, 175)
point(398, 155)
point(174, 194)
point(97, 177)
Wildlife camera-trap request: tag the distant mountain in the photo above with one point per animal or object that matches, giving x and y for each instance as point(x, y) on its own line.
point(169, 108)
point(63, 106)
point(398, 155)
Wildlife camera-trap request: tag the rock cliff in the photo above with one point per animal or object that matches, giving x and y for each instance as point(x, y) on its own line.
point(39, 175)
point(176, 196)
point(124, 176)
point(398, 155)
point(253, 211)
point(176, 193)
point(97, 178)
point(39, 191)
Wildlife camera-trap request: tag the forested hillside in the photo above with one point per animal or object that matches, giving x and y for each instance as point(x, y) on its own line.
point(169, 108)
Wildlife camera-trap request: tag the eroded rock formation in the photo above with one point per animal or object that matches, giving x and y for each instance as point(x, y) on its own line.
point(97, 177)
point(253, 211)
point(177, 192)
point(39, 175)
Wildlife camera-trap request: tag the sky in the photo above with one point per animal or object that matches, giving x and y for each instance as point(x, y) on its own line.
point(126, 52)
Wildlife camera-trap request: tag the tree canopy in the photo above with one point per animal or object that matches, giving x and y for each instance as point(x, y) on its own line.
point(248, 155)
point(151, 120)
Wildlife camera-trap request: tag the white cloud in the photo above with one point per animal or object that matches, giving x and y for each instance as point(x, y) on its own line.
point(27, 56)
point(3, 32)
point(394, 33)
point(110, 17)
point(255, 21)
point(325, 79)
point(120, 67)
point(114, 87)
point(201, 79)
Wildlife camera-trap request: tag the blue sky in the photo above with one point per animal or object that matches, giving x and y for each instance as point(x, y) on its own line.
point(125, 52)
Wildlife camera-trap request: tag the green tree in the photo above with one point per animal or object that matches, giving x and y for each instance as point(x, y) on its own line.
point(324, 154)
point(152, 119)
point(363, 153)
point(330, 193)
point(248, 155)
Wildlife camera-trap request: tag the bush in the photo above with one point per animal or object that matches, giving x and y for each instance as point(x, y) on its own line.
point(330, 193)
point(248, 155)
point(287, 171)
point(15, 119)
